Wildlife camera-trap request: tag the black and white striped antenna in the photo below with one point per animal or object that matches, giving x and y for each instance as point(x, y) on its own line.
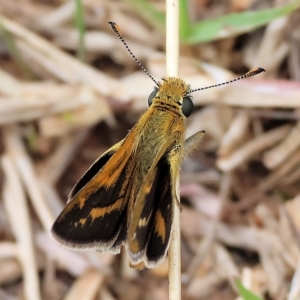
point(116, 29)
point(251, 73)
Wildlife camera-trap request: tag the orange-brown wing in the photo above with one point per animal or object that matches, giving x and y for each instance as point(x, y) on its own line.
point(97, 206)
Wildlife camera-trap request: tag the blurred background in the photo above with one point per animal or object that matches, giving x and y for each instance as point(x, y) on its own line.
point(69, 90)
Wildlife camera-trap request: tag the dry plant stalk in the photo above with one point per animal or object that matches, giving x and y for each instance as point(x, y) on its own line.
point(172, 53)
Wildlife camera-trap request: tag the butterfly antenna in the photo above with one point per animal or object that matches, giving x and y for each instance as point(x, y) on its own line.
point(116, 29)
point(251, 73)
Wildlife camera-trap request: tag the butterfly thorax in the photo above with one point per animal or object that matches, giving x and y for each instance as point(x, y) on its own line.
point(162, 126)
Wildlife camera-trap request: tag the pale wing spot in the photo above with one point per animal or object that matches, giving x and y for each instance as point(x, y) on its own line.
point(100, 212)
point(82, 201)
point(143, 222)
point(81, 222)
point(160, 225)
point(147, 188)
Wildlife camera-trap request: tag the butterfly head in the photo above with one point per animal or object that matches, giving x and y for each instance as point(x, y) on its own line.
point(174, 91)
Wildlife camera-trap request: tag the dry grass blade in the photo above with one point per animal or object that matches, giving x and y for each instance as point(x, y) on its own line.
point(281, 152)
point(287, 234)
point(278, 175)
point(11, 270)
point(62, 14)
point(53, 168)
point(55, 61)
point(292, 178)
point(17, 211)
point(254, 93)
point(253, 147)
point(27, 105)
point(8, 249)
point(295, 287)
point(15, 148)
point(236, 134)
point(206, 244)
point(273, 42)
point(86, 286)
point(75, 263)
point(9, 85)
point(244, 237)
point(203, 287)
point(84, 116)
point(225, 264)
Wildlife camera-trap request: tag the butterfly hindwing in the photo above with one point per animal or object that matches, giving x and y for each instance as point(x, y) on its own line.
point(148, 239)
point(141, 218)
point(160, 235)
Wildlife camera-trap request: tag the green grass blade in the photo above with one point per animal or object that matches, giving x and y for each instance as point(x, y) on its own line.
point(15, 53)
point(245, 293)
point(234, 24)
point(184, 19)
point(80, 25)
point(212, 29)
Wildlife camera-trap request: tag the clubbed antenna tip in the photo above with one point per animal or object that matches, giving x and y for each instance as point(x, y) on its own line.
point(251, 73)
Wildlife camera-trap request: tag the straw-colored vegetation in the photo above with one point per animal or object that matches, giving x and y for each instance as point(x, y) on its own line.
point(69, 90)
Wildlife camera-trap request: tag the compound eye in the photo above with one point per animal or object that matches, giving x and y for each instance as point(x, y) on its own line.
point(187, 106)
point(151, 96)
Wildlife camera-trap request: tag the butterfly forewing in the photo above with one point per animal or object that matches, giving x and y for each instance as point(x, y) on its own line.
point(94, 216)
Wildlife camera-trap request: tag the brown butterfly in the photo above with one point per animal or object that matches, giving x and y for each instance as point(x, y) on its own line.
point(128, 195)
